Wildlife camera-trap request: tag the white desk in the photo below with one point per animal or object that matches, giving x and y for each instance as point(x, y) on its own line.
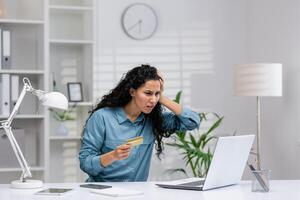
point(280, 190)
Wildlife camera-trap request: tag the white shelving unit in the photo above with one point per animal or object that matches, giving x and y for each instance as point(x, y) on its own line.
point(87, 103)
point(26, 22)
point(51, 39)
point(21, 71)
point(24, 116)
point(65, 138)
point(71, 42)
point(32, 169)
point(20, 21)
point(71, 51)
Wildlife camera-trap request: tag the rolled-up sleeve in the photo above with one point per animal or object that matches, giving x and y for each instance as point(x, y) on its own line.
point(186, 120)
point(91, 144)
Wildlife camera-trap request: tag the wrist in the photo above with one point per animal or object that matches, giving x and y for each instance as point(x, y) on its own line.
point(107, 158)
point(171, 105)
point(162, 99)
point(113, 156)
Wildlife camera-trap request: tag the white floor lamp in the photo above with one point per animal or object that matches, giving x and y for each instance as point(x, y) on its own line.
point(258, 79)
point(51, 99)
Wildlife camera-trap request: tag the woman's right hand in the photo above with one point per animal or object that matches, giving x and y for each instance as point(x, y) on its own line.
point(122, 152)
point(161, 81)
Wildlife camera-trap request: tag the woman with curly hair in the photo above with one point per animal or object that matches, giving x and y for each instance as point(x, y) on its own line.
point(133, 108)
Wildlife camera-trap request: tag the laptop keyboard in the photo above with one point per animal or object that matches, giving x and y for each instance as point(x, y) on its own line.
point(195, 183)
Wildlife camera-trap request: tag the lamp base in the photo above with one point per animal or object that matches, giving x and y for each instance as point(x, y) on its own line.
point(28, 184)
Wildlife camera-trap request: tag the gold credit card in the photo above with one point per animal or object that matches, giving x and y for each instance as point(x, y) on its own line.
point(135, 141)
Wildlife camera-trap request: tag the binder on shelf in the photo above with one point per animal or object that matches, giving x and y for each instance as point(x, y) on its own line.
point(1, 95)
point(14, 90)
point(0, 48)
point(6, 48)
point(5, 96)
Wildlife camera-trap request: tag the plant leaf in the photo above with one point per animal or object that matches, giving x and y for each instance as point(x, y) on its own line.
point(192, 138)
point(215, 125)
point(178, 96)
point(193, 147)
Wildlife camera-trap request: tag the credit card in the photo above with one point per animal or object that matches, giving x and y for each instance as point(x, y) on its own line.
point(135, 141)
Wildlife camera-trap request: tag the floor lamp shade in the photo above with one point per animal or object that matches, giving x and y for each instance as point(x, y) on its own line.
point(259, 79)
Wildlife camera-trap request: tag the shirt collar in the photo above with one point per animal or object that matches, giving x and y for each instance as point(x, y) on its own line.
point(121, 116)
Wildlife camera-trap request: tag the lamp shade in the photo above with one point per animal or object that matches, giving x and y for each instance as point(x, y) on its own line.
point(55, 100)
point(258, 79)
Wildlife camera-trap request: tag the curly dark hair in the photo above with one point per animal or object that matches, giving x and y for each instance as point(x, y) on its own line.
point(120, 96)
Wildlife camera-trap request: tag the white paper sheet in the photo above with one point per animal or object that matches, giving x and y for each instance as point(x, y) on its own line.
point(117, 192)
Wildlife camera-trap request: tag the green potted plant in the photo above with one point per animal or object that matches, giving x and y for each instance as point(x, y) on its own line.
point(194, 147)
point(61, 117)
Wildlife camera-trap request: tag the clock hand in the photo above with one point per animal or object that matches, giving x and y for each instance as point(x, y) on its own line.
point(134, 25)
point(140, 26)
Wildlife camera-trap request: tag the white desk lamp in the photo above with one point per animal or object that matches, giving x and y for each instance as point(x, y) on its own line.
point(259, 79)
point(51, 99)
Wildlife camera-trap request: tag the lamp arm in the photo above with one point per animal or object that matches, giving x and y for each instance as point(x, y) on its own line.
point(25, 168)
point(6, 125)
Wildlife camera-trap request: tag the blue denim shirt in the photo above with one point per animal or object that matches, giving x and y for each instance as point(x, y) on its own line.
point(109, 127)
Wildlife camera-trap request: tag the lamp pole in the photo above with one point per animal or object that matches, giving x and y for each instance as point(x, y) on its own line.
point(258, 134)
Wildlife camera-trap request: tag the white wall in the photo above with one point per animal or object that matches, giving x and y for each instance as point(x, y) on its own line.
point(273, 36)
point(182, 45)
point(215, 91)
point(242, 31)
point(262, 31)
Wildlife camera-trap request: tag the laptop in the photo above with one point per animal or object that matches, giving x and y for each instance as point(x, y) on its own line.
point(226, 168)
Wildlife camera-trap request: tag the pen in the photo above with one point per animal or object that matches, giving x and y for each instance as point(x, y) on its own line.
point(259, 178)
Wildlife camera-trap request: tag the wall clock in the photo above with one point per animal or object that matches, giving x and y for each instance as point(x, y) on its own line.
point(139, 21)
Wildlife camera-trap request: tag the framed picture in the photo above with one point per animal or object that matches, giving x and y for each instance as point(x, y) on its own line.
point(75, 91)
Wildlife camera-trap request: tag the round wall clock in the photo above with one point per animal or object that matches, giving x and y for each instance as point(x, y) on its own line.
point(139, 21)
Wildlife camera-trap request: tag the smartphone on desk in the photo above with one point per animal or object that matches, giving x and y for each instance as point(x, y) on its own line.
point(54, 191)
point(95, 186)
